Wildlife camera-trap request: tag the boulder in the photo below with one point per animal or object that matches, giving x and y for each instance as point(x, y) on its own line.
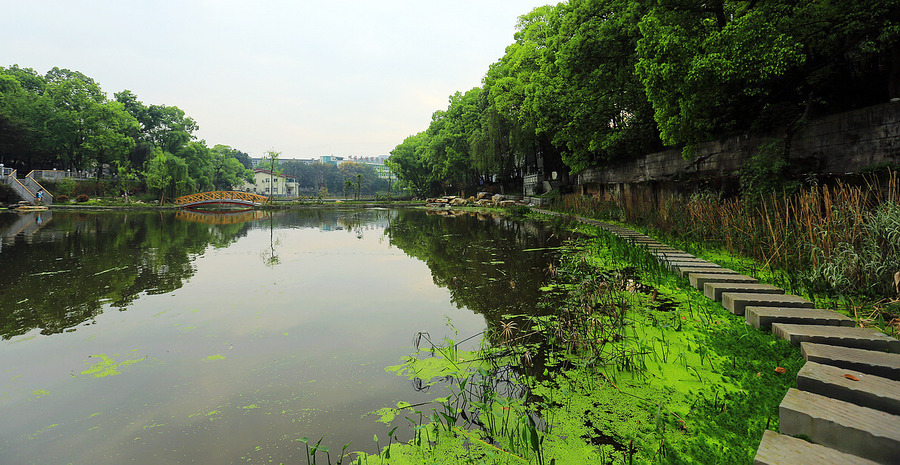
point(507, 203)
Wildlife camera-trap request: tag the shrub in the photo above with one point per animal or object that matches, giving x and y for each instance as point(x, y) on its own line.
point(62, 198)
point(82, 198)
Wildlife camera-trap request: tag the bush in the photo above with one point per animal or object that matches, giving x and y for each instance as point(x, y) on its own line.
point(62, 198)
point(82, 198)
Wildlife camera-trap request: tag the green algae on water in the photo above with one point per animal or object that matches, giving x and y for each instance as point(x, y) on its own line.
point(107, 366)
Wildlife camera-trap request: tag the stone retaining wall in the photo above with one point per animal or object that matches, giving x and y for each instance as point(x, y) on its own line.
point(833, 145)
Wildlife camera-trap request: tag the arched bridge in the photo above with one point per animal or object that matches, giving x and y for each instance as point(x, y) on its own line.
point(244, 199)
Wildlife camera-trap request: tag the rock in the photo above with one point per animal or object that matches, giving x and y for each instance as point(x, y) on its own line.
point(507, 203)
point(482, 195)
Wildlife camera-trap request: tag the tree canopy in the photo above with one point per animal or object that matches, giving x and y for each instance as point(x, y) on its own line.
point(587, 83)
point(63, 119)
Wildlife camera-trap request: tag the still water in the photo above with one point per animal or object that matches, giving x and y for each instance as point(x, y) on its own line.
point(162, 337)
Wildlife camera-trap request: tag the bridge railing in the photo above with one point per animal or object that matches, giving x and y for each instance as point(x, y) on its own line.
point(220, 195)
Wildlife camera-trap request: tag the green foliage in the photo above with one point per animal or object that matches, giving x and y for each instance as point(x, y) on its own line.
point(766, 171)
point(64, 119)
point(168, 175)
point(867, 266)
point(587, 83)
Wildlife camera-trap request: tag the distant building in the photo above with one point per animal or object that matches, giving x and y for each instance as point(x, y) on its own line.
point(376, 162)
point(276, 185)
point(331, 160)
point(263, 162)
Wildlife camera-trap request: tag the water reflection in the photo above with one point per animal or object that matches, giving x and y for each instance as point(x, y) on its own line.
point(63, 274)
point(220, 357)
point(493, 265)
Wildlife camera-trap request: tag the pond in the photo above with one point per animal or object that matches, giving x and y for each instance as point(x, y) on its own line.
point(163, 337)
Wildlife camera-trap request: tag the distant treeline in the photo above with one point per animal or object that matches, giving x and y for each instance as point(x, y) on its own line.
point(62, 119)
point(326, 179)
point(589, 82)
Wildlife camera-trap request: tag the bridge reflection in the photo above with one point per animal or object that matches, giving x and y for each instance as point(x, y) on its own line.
point(219, 217)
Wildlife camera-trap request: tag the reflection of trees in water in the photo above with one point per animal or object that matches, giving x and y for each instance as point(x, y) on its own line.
point(487, 262)
point(94, 259)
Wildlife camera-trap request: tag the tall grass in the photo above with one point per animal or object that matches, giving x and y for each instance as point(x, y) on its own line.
point(833, 240)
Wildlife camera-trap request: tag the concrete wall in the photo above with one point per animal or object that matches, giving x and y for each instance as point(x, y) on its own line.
point(832, 145)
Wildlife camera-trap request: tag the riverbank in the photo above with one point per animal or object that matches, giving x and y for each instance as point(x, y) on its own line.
point(635, 367)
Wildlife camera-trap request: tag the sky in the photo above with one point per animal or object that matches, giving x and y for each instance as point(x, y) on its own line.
point(304, 78)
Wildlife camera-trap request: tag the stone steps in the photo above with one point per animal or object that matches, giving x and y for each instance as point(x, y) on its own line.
point(845, 427)
point(777, 449)
point(884, 364)
point(850, 386)
point(675, 264)
point(763, 317)
point(697, 280)
point(714, 291)
point(858, 338)
point(671, 255)
point(736, 302)
point(711, 268)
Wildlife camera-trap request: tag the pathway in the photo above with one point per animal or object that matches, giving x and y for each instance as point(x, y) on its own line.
point(847, 399)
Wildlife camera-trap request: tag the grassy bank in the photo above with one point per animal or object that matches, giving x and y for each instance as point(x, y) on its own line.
point(838, 245)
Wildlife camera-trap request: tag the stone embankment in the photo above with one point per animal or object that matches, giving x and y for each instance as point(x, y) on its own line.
point(484, 199)
point(847, 399)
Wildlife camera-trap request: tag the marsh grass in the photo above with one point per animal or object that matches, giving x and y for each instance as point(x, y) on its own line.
point(838, 244)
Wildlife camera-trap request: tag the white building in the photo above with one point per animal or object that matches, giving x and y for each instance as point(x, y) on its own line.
point(278, 185)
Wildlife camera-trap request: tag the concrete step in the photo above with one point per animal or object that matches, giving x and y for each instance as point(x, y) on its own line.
point(675, 264)
point(736, 302)
point(848, 428)
point(778, 449)
point(699, 279)
point(763, 317)
point(671, 255)
point(867, 390)
point(674, 260)
point(714, 291)
point(686, 271)
point(883, 364)
point(858, 338)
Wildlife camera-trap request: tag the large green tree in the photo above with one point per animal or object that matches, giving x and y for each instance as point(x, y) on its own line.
point(712, 68)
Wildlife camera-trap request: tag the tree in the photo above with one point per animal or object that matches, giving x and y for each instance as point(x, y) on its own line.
point(274, 170)
point(227, 170)
point(167, 174)
point(110, 134)
point(348, 188)
point(712, 68)
point(407, 161)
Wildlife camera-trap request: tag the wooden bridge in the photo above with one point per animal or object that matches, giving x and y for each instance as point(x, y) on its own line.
point(244, 199)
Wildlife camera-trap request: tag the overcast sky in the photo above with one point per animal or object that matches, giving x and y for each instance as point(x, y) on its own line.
point(306, 78)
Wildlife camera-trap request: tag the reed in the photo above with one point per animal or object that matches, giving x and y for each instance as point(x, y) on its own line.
point(837, 240)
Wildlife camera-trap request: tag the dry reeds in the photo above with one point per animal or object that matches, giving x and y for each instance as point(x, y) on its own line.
point(824, 238)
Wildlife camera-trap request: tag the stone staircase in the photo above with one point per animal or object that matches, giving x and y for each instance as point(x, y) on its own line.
point(26, 187)
point(847, 399)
